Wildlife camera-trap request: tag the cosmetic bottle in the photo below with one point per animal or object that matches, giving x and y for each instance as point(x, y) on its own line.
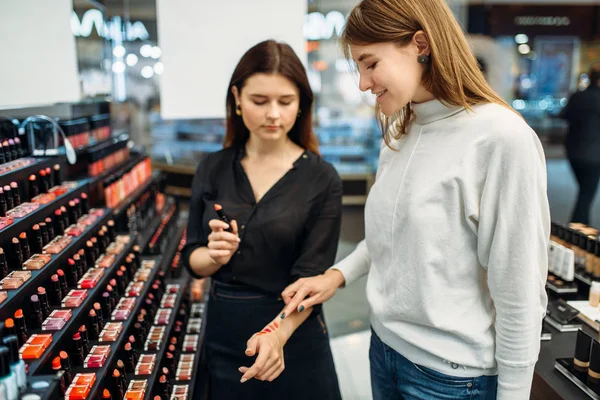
point(17, 365)
point(8, 380)
point(594, 367)
point(595, 294)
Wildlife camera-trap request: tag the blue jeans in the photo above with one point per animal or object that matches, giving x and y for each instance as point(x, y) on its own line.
point(393, 377)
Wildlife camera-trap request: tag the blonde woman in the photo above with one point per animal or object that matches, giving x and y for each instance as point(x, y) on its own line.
point(457, 223)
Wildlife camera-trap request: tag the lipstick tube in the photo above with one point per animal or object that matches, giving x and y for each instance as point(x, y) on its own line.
point(44, 185)
point(106, 306)
point(93, 330)
point(56, 172)
point(21, 327)
point(45, 307)
point(38, 241)
point(84, 264)
point(50, 229)
point(7, 152)
point(71, 270)
point(56, 367)
point(55, 295)
point(90, 254)
point(100, 314)
point(59, 223)
point(77, 355)
point(15, 193)
point(65, 216)
point(66, 366)
point(35, 319)
point(34, 189)
point(24, 246)
point(10, 203)
point(3, 264)
point(44, 231)
point(84, 339)
point(129, 359)
point(17, 253)
point(63, 282)
point(3, 203)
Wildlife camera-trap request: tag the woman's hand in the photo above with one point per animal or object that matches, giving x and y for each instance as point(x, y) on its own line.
point(222, 245)
point(269, 364)
point(307, 292)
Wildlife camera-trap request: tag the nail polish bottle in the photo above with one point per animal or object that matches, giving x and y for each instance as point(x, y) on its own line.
point(3, 204)
point(35, 319)
point(24, 246)
point(57, 368)
point(34, 189)
point(85, 346)
point(50, 229)
point(65, 362)
point(10, 204)
point(3, 264)
point(17, 253)
point(8, 380)
point(55, 295)
point(93, 330)
point(56, 172)
point(15, 193)
point(64, 288)
point(38, 241)
point(17, 366)
point(22, 335)
point(44, 305)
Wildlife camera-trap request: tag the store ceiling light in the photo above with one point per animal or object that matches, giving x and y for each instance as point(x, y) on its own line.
point(156, 52)
point(118, 67)
point(131, 59)
point(119, 51)
point(146, 50)
point(147, 72)
point(524, 48)
point(159, 68)
point(521, 38)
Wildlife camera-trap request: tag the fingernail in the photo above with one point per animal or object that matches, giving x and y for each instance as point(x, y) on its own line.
point(243, 380)
point(247, 350)
point(301, 308)
point(240, 368)
point(282, 315)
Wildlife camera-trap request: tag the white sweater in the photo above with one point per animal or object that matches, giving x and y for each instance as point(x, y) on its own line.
point(457, 230)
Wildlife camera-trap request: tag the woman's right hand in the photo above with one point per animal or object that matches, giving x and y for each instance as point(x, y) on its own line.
point(222, 245)
point(308, 292)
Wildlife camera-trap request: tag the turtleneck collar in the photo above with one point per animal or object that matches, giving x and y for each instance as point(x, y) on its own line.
point(433, 110)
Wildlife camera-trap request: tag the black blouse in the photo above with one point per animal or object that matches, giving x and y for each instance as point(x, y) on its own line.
point(292, 232)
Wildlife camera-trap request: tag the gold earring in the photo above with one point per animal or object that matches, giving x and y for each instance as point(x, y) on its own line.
point(238, 110)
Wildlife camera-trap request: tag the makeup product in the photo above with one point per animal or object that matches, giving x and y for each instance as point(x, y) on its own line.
point(8, 380)
point(3, 264)
point(129, 359)
point(35, 319)
point(81, 386)
point(93, 328)
point(56, 172)
point(44, 184)
point(594, 367)
point(63, 282)
point(33, 187)
point(17, 366)
point(583, 346)
point(106, 306)
point(85, 208)
point(118, 384)
point(84, 264)
point(66, 366)
point(24, 246)
point(15, 193)
point(90, 253)
point(38, 241)
point(106, 395)
point(100, 314)
point(3, 204)
point(77, 355)
point(9, 327)
point(71, 272)
point(49, 229)
point(43, 299)
point(65, 216)
point(74, 298)
point(57, 368)
point(10, 203)
point(17, 252)
point(14, 280)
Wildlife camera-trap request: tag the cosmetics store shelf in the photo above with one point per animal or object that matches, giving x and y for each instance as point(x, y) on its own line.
point(62, 337)
point(16, 297)
point(23, 173)
point(160, 354)
point(200, 383)
point(103, 144)
point(582, 278)
point(45, 210)
point(133, 160)
point(135, 195)
point(561, 290)
point(145, 236)
point(116, 346)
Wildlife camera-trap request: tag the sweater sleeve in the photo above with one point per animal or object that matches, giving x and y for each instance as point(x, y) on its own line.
point(513, 234)
point(356, 265)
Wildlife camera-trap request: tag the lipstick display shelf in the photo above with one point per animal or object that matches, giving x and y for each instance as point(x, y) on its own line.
point(62, 339)
point(581, 379)
point(16, 298)
point(21, 168)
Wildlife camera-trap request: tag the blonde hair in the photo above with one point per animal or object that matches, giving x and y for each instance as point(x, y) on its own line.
point(452, 74)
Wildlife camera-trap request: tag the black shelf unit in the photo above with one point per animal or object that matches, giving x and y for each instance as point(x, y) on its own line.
point(135, 195)
point(45, 210)
point(78, 317)
point(199, 382)
point(153, 378)
point(22, 174)
point(15, 298)
point(136, 158)
point(116, 346)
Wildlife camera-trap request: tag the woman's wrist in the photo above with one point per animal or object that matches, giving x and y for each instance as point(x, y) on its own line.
point(336, 277)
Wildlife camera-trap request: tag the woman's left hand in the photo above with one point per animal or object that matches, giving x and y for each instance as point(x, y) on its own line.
point(269, 364)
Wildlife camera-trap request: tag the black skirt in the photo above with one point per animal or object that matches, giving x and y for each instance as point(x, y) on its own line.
point(235, 313)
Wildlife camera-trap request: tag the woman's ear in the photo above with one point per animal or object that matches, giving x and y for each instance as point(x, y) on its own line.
point(421, 40)
point(236, 94)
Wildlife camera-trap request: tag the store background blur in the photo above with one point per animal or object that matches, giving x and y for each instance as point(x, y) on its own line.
point(536, 54)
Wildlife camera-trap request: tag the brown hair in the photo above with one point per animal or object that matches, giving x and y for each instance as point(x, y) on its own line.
point(452, 74)
point(272, 57)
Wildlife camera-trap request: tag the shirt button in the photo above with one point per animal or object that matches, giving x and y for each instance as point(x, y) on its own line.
point(454, 366)
point(469, 385)
point(243, 227)
point(239, 252)
point(304, 156)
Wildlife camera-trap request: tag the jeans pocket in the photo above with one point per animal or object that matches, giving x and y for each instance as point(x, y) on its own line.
point(443, 379)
